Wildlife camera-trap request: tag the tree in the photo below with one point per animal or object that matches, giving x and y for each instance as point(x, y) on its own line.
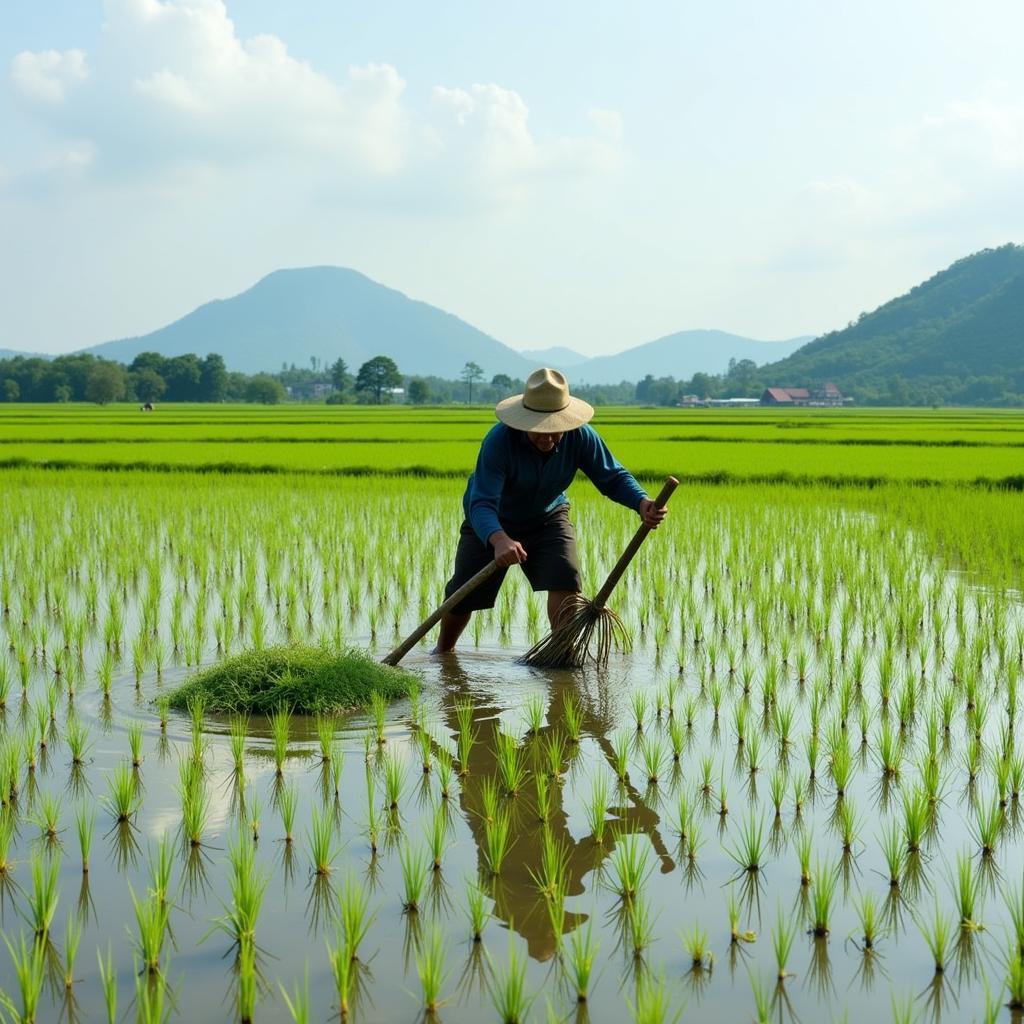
point(10, 391)
point(105, 383)
point(471, 372)
point(62, 393)
point(149, 385)
point(504, 383)
point(264, 390)
point(378, 375)
point(419, 391)
point(213, 379)
point(340, 377)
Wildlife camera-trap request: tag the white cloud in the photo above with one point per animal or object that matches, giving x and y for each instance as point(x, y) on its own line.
point(172, 82)
point(48, 76)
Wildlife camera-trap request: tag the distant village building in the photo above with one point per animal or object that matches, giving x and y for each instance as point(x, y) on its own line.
point(732, 403)
point(691, 402)
point(825, 395)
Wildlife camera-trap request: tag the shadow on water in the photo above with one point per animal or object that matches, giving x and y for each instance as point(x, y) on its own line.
point(518, 904)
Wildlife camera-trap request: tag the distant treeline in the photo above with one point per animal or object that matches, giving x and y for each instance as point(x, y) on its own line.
point(190, 378)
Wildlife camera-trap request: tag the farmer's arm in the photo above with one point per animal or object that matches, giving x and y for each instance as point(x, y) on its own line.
point(488, 480)
point(613, 480)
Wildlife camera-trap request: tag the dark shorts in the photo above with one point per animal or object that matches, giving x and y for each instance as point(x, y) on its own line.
point(551, 561)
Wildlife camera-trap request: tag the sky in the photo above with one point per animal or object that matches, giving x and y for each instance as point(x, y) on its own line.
point(575, 173)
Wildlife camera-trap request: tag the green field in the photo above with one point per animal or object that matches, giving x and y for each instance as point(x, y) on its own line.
point(797, 796)
point(807, 445)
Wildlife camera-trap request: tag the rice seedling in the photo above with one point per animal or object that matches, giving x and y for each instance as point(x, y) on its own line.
point(445, 771)
point(509, 993)
point(695, 942)
point(426, 744)
point(542, 791)
point(320, 837)
point(85, 824)
point(578, 965)
point(849, 823)
point(47, 816)
point(415, 871)
point(161, 868)
point(823, 890)
point(938, 932)
point(248, 886)
point(467, 732)
point(280, 729)
point(677, 739)
point(968, 889)
point(496, 841)
point(894, 849)
point(597, 808)
point(325, 727)
point(287, 804)
point(195, 805)
point(867, 917)
point(511, 760)
point(238, 733)
point(750, 846)
point(639, 704)
point(29, 965)
point(108, 982)
point(735, 933)
point(777, 786)
point(8, 823)
point(572, 713)
point(437, 835)
point(163, 710)
point(252, 813)
point(630, 864)
point(430, 965)
point(987, 826)
point(394, 780)
point(641, 925)
point(620, 755)
point(135, 742)
point(554, 858)
point(337, 765)
point(652, 752)
point(151, 919)
point(343, 971)
point(534, 711)
point(41, 899)
point(298, 1001)
point(783, 935)
point(77, 736)
point(247, 988)
point(476, 909)
point(354, 914)
point(916, 819)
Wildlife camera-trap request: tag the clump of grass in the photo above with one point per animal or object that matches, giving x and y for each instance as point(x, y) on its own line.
point(938, 931)
point(85, 823)
point(41, 899)
point(135, 742)
point(695, 942)
point(511, 763)
point(415, 871)
point(280, 729)
point(29, 963)
point(783, 935)
point(476, 908)
point(497, 840)
point(823, 891)
point(751, 846)
point(867, 915)
point(287, 804)
point(306, 680)
point(151, 918)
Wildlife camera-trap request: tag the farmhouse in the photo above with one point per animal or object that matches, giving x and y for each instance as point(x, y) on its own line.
point(826, 394)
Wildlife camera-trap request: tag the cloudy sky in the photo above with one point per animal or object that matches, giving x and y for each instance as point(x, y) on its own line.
point(582, 173)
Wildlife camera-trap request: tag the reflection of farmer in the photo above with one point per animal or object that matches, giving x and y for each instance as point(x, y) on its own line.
point(518, 902)
point(515, 506)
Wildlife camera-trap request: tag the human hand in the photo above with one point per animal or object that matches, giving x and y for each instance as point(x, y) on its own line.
point(506, 550)
point(651, 514)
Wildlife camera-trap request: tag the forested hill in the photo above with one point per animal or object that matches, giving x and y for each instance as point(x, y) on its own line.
point(956, 338)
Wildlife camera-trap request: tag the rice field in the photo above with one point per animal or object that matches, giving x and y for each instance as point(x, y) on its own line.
point(797, 797)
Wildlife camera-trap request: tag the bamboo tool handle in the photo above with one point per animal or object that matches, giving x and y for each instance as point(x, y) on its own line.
point(428, 624)
point(671, 483)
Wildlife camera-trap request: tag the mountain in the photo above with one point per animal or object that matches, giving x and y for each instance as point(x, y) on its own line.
point(10, 353)
point(327, 312)
point(558, 356)
point(957, 337)
point(682, 355)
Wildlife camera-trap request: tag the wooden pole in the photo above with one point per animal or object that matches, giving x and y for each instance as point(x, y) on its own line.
point(424, 627)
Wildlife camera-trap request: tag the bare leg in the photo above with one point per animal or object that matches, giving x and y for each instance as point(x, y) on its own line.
point(557, 598)
point(452, 626)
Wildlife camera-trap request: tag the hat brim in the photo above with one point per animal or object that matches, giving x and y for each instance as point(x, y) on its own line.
point(513, 413)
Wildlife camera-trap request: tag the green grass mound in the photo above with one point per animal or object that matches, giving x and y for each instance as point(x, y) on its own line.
point(308, 680)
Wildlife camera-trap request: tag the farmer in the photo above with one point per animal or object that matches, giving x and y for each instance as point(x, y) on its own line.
point(516, 511)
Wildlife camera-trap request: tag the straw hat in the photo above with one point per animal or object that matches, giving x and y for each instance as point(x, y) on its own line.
point(546, 406)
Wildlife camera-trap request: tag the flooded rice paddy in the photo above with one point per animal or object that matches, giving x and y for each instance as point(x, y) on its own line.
point(796, 798)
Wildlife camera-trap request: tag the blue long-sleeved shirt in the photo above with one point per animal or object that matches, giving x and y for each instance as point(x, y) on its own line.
point(514, 485)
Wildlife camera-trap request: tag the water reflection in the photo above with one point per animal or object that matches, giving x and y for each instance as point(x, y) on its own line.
point(518, 903)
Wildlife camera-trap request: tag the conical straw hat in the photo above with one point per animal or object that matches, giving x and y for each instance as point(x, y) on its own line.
point(546, 407)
